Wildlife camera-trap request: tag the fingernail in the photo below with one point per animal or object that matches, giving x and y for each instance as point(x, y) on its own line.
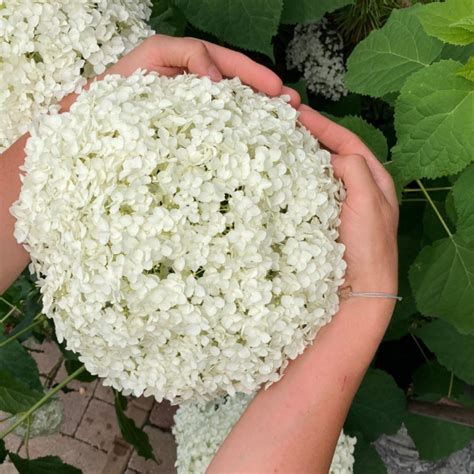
point(214, 73)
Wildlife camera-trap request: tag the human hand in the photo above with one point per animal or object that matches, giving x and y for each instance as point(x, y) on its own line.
point(170, 56)
point(369, 215)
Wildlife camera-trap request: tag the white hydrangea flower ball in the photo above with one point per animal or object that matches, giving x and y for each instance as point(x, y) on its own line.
point(49, 47)
point(316, 50)
point(183, 232)
point(200, 429)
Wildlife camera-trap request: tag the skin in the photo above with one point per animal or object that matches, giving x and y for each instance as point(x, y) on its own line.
point(294, 425)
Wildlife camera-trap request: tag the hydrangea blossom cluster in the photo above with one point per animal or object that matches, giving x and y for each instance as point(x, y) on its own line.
point(200, 429)
point(316, 50)
point(49, 47)
point(184, 233)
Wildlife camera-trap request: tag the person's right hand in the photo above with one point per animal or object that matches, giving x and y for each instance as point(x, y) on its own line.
point(369, 215)
point(170, 56)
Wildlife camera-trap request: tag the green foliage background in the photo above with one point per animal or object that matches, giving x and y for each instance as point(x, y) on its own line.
point(410, 74)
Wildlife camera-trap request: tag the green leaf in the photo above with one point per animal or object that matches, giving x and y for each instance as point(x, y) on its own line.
point(167, 20)
point(46, 465)
point(432, 228)
point(442, 279)
point(369, 134)
point(434, 121)
point(462, 193)
point(451, 21)
point(308, 11)
point(131, 433)
point(16, 396)
point(381, 63)
point(16, 360)
point(454, 351)
point(467, 70)
point(366, 458)
point(436, 439)
point(465, 23)
point(377, 407)
point(3, 451)
point(433, 378)
point(458, 53)
point(248, 24)
point(19, 290)
point(409, 244)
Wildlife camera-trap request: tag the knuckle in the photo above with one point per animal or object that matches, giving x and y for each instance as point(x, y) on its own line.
point(198, 47)
point(357, 160)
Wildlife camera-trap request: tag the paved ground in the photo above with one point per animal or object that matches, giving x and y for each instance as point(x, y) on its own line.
point(89, 436)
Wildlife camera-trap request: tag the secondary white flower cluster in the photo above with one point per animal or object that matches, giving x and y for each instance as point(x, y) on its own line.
point(184, 233)
point(316, 50)
point(200, 429)
point(49, 47)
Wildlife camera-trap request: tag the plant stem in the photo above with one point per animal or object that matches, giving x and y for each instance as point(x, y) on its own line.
point(442, 411)
point(3, 300)
point(443, 188)
point(451, 380)
point(419, 347)
point(435, 209)
point(19, 333)
point(413, 200)
point(42, 401)
point(27, 437)
point(12, 310)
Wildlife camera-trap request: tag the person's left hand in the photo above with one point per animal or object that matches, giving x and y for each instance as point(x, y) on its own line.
point(369, 215)
point(170, 56)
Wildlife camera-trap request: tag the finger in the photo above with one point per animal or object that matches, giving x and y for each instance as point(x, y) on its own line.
point(171, 53)
point(232, 63)
point(356, 176)
point(341, 141)
point(295, 99)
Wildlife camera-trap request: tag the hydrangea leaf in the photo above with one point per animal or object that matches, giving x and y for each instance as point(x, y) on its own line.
point(434, 123)
point(467, 70)
point(432, 377)
point(458, 53)
point(369, 134)
point(307, 11)
point(451, 21)
point(380, 63)
point(366, 458)
point(130, 432)
point(444, 437)
point(432, 227)
point(464, 203)
point(16, 360)
point(45, 465)
point(167, 21)
point(16, 396)
point(442, 279)
point(377, 407)
point(454, 351)
point(248, 24)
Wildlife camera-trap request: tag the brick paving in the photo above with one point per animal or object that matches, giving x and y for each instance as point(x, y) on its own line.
point(89, 436)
